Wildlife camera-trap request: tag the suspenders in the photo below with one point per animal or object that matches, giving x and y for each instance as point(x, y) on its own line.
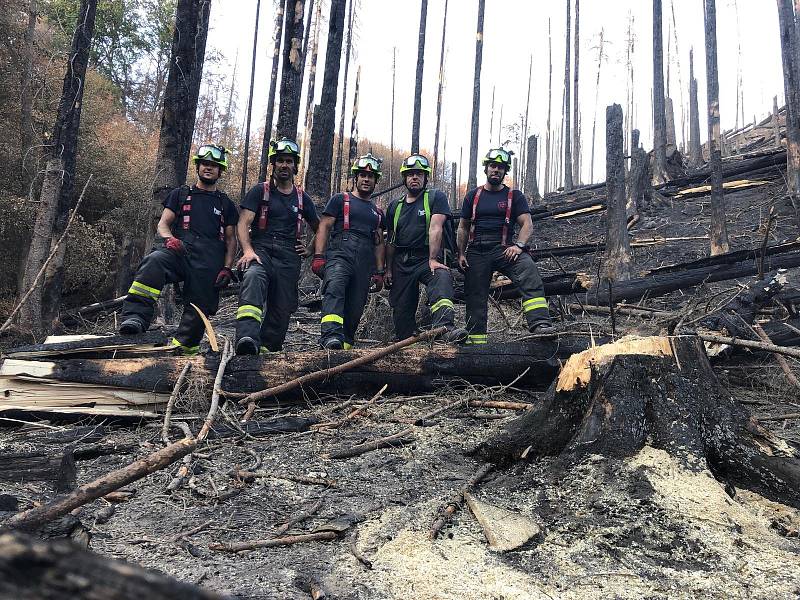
point(263, 214)
point(346, 214)
point(186, 217)
point(506, 223)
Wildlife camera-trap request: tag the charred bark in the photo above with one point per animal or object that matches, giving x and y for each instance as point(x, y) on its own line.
point(292, 72)
point(659, 121)
point(567, 141)
point(472, 178)
point(337, 172)
point(423, 19)
point(695, 149)
point(248, 117)
point(439, 95)
point(57, 469)
point(618, 250)
point(273, 84)
point(531, 185)
point(790, 53)
point(26, 98)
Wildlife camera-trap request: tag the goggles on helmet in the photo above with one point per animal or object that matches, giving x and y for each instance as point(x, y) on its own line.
point(498, 155)
point(284, 146)
point(416, 161)
point(216, 153)
point(367, 163)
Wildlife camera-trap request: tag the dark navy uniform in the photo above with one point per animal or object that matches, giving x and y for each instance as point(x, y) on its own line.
point(408, 225)
point(493, 218)
point(350, 264)
point(268, 295)
point(201, 218)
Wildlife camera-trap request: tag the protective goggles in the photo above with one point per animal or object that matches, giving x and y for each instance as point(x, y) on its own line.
point(367, 163)
point(285, 146)
point(418, 161)
point(215, 152)
point(499, 155)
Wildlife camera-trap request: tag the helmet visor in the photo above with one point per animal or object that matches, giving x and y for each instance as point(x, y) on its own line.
point(417, 161)
point(367, 163)
point(499, 155)
point(285, 147)
point(215, 152)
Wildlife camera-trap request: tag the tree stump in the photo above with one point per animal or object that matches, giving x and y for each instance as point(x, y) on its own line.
point(616, 399)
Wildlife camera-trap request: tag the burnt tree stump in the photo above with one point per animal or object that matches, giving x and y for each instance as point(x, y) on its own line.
point(615, 399)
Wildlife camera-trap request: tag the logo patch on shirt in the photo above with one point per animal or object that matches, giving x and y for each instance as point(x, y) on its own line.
point(217, 212)
point(502, 205)
point(294, 209)
point(421, 212)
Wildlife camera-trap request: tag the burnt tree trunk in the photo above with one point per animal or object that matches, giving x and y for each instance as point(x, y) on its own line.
point(790, 53)
point(576, 116)
point(531, 185)
point(776, 128)
point(614, 400)
point(353, 147)
point(547, 141)
point(292, 71)
point(57, 469)
point(669, 116)
point(718, 234)
point(640, 189)
point(337, 173)
point(321, 151)
point(273, 85)
point(423, 18)
point(695, 148)
point(439, 95)
point(472, 178)
point(312, 81)
point(26, 99)
point(596, 97)
point(248, 117)
point(567, 141)
point(659, 124)
point(56, 194)
point(618, 250)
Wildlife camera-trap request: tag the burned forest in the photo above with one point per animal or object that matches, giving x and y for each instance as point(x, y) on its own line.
point(640, 440)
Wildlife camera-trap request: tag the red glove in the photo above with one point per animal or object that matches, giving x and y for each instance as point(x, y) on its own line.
point(318, 265)
point(174, 244)
point(224, 278)
point(376, 283)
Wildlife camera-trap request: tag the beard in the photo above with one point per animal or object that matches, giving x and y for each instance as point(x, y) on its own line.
point(208, 180)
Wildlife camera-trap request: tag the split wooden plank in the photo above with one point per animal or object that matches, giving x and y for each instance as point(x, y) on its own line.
point(504, 530)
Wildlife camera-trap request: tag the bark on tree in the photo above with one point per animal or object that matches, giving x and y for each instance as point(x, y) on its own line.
point(248, 117)
point(439, 94)
point(353, 148)
point(273, 85)
point(576, 117)
point(790, 53)
point(310, 11)
point(618, 250)
point(567, 140)
point(453, 186)
point(695, 148)
point(472, 178)
point(56, 194)
point(670, 122)
point(659, 120)
point(547, 141)
point(423, 18)
point(718, 234)
point(523, 141)
point(312, 80)
point(600, 49)
point(391, 131)
point(292, 71)
point(26, 99)
point(318, 181)
point(640, 181)
point(337, 173)
point(531, 185)
point(776, 128)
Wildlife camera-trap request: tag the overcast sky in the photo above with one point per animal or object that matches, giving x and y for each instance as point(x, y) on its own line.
point(513, 31)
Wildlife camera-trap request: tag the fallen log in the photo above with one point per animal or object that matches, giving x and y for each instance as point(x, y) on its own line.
point(615, 399)
point(91, 310)
point(288, 540)
point(774, 160)
point(57, 469)
point(110, 346)
point(599, 200)
point(31, 569)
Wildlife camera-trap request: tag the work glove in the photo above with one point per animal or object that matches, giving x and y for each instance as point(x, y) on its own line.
point(174, 244)
point(376, 284)
point(224, 278)
point(318, 265)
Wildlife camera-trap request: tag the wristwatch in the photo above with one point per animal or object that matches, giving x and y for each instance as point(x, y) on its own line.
point(521, 246)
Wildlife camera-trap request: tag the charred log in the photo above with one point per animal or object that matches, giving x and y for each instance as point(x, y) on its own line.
point(57, 469)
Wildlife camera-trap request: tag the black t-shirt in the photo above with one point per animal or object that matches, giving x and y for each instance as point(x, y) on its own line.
point(208, 211)
point(365, 218)
point(411, 230)
point(281, 213)
point(491, 213)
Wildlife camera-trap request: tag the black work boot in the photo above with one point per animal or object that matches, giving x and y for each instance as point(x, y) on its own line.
point(246, 345)
point(454, 335)
point(332, 344)
point(131, 326)
point(542, 327)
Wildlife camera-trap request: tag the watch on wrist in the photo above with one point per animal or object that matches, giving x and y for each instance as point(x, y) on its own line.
point(521, 246)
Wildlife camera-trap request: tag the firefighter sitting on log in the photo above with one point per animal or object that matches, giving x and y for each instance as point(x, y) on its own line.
point(486, 245)
point(198, 244)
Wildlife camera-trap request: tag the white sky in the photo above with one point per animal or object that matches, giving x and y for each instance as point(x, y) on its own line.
point(513, 30)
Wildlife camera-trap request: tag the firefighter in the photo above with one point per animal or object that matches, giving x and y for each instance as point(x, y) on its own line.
point(414, 254)
point(198, 245)
point(485, 245)
point(353, 264)
point(271, 233)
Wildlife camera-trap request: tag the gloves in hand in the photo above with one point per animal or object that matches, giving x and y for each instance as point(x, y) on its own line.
point(318, 265)
point(174, 244)
point(376, 283)
point(224, 278)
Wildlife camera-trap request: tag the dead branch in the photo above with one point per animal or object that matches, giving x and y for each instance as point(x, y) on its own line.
point(456, 501)
point(353, 414)
point(499, 404)
point(245, 475)
point(721, 339)
point(273, 543)
point(227, 353)
point(171, 402)
point(306, 514)
point(177, 538)
point(383, 442)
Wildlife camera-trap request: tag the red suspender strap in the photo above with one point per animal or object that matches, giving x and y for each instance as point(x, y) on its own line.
point(474, 212)
point(299, 212)
point(186, 213)
point(508, 216)
point(346, 211)
point(264, 208)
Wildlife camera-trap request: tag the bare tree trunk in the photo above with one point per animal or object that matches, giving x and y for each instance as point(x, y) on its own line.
point(567, 141)
point(659, 125)
point(26, 100)
point(307, 29)
point(337, 173)
point(684, 136)
point(576, 118)
point(391, 133)
point(226, 127)
point(524, 133)
point(640, 182)
point(547, 141)
point(312, 80)
point(695, 148)
point(318, 181)
point(353, 153)
point(776, 128)
point(618, 251)
point(472, 181)
point(273, 85)
point(670, 122)
point(56, 195)
point(491, 118)
point(790, 53)
point(500, 127)
point(596, 99)
point(531, 186)
point(718, 235)
point(246, 157)
point(292, 71)
point(439, 94)
point(423, 18)
point(515, 171)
